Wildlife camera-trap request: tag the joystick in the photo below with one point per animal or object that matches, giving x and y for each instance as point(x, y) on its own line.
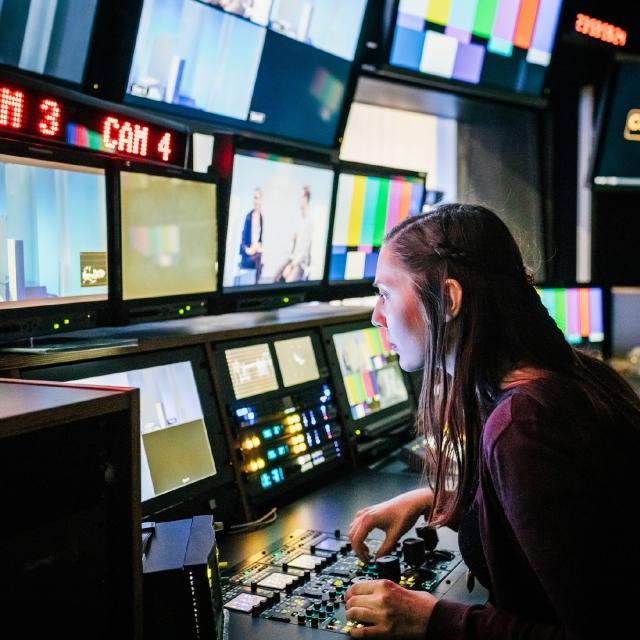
point(429, 535)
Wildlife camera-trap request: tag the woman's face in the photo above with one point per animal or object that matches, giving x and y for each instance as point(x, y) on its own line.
point(399, 310)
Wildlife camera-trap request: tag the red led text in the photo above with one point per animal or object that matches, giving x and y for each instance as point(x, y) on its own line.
point(600, 30)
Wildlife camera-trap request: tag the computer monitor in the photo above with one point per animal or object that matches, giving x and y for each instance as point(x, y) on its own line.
point(369, 202)
point(616, 158)
point(278, 222)
point(498, 46)
point(375, 391)
point(277, 67)
point(582, 313)
point(169, 235)
point(184, 455)
point(47, 38)
point(53, 243)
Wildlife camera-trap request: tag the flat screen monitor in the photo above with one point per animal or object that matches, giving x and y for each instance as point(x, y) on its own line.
point(280, 67)
point(504, 46)
point(168, 235)
point(617, 154)
point(278, 222)
point(50, 38)
point(370, 372)
point(183, 451)
point(297, 360)
point(53, 233)
point(251, 370)
point(367, 207)
point(580, 312)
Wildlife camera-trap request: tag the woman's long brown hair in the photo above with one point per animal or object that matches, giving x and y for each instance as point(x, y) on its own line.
point(502, 325)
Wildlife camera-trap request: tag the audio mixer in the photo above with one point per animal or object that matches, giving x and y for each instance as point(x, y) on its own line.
point(301, 580)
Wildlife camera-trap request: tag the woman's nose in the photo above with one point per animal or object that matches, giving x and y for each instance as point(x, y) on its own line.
point(377, 317)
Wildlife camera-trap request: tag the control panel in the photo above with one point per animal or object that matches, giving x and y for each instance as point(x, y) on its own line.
point(302, 579)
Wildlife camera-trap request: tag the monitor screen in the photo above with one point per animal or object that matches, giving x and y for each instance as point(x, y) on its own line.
point(617, 159)
point(49, 38)
point(578, 312)
point(175, 449)
point(372, 378)
point(53, 233)
point(169, 236)
point(278, 222)
point(276, 66)
point(297, 360)
point(503, 45)
point(367, 207)
point(251, 370)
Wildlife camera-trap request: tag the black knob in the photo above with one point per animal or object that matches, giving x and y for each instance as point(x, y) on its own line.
point(413, 551)
point(256, 610)
point(389, 567)
point(276, 596)
point(345, 548)
point(314, 622)
point(254, 586)
point(317, 605)
point(285, 567)
point(322, 615)
point(336, 533)
point(312, 549)
point(307, 576)
point(429, 535)
point(332, 594)
point(301, 618)
point(329, 607)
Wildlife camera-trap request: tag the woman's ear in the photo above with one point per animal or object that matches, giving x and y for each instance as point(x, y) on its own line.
point(453, 292)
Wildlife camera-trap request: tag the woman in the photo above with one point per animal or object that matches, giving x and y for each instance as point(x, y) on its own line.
point(536, 446)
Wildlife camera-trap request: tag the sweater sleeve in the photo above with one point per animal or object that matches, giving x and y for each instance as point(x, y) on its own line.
point(551, 492)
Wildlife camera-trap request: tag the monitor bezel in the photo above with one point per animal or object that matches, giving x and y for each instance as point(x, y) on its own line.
point(355, 288)
point(118, 90)
point(392, 416)
point(606, 306)
point(39, 320)
point(160, 307)
point(273, 295)
point(421, 79)
point(198, 493)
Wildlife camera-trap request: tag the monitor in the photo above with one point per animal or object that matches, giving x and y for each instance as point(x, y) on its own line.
point(184, 455)
point(168, 235)
point(580, 311)
point(504, 46)
point(297, 360)
point(278, 222)
point(53, 233)
point(368, 205)
point(617, 154)
point(372, 378)
point(277, 67)
point(48, 38)
point(251, 370)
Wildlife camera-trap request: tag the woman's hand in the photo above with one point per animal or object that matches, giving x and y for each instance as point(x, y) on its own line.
point(395, 517)
point(388, 610)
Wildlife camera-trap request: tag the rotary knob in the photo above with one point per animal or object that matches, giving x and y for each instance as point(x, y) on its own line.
point(389, 567)
point(413, 551)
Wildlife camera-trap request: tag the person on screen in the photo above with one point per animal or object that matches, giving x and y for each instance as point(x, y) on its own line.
point(296, 266)
point(535, 446)
point(251, 243)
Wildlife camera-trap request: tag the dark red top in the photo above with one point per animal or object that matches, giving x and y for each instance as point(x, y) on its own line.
point(555, 497)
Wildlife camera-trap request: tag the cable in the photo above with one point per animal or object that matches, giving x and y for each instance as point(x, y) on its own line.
point(268, 518)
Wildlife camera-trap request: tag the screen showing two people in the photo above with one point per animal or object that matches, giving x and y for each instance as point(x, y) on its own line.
point(278, 222)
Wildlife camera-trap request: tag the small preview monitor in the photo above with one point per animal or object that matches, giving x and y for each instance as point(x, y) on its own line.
point(579, 312)
point(617, 153)
point(278, 222)
point(53, 233)
point(168, 234)
point(296, 360)
point(505, 46)
point(48, 38)
point(372, 377)
point(183, 452)
point(367, 207)
point(251, 370)
point(280, 67)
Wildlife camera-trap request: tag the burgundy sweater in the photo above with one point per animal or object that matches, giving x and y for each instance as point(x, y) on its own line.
point(555, 496)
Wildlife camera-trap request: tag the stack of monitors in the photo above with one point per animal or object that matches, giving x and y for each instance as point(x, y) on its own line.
point(579, 312)
point(183, 451)
point(47, 38)
point(278, 222)
point(274, 66)
point(504, 45)
point(53, 235)
point(373, 383)
point(367, 207)
point(283, 415)
point(169, 235)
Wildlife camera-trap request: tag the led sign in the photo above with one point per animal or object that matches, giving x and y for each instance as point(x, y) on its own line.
point(32, 114)
point(600, 30)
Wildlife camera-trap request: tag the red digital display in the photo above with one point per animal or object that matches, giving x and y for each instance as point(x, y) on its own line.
point(33, 114)
point(600, 30)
